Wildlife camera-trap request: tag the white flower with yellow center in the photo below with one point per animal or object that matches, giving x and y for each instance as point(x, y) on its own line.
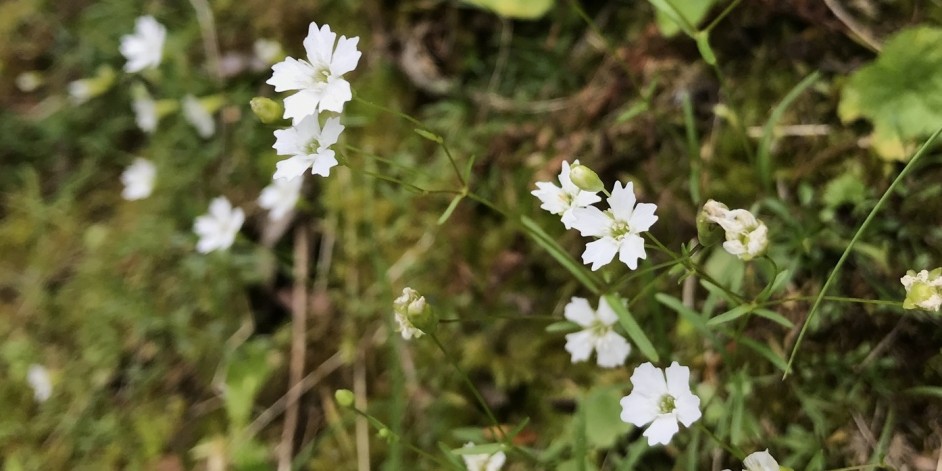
point(565, 198)
point(309, 147)
point(138, 179)
point(598, 334)
point(617, 230)
point(661, 398)
point(319, 79)
point(218, 228)
point(144, 49)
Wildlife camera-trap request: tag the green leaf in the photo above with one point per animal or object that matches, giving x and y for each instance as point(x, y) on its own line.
point(631, 327)
point(450, 209)
point(544, 240)
point(486, 449)
point(775, 285)
point(900, 92)
point(674, 16)
point(764, 156)
point(684, 312)
point(562, 326)
point(603, 412)
point(429, 135)
point(732, 314)
point(703, 44)
point(520, 9)
point(248, 370)
point(774, 317)
point(765, 351)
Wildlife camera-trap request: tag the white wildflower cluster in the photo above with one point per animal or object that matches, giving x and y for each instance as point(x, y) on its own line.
point(923, 289)
point(746, 236)
point(617, 230)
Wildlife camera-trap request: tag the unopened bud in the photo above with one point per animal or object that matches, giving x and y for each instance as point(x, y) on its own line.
point(586, 179)
point(344, 397)
point(413, 314)
point(923, 290)
point(266, 110)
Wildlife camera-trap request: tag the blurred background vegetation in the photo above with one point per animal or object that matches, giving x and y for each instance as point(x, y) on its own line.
point(163, 358)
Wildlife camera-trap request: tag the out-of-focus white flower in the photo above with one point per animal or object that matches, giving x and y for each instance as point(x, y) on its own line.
point(318, 79)
point(598, 334)
point(413, 314)
point(280, 197)
point(29, 81)
point(484, 462)
point(218, 228)
point(38, 378)
point(309, 147)
point(80, 91)
point(200, 116)
point(618, 230)
point(760, 461)
point(565, 198)
point(746, 236)
point(661, 401)
point(267, 50)
point(144, 49)
point(85, 89)
point(923, 289)
point(138, 179)
point(145, 112)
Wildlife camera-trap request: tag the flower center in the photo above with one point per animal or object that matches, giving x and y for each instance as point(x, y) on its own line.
point(619, 229)
point(600, 330)
point(312, 147)
point(667, 404)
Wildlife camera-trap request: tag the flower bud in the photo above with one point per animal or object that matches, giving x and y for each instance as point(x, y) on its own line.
point(584, 178)
point(266, 110)
point(344, 397)
point(708, 233)
point(413, 314)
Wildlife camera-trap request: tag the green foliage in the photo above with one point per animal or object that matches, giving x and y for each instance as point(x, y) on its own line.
point(522, 9)
point(900, 92)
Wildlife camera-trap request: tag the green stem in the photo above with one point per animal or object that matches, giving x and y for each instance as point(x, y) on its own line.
point(827, 284)
point(381, 426)
point(729, 8)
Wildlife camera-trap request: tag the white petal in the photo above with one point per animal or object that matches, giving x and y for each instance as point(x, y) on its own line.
point(345, 57)
point(323, 162)
point(585, 198)
point(38, 378)
point(551, 196)
point(761, 461)
point(678, 379)
point(591, 221)
point(643, 217)
point(565, 180)
point(612, 350)
point(630, 250)
point(605, 312)
point(580, 345)
point(649, 381)
point(302, 104)
point(331, 132)
point(600, 252)
point(568, 218)
point(661, 430)
point(622, 201)
point(579, 311)
point(220, 208)
point(293, 167)
point(319, 45)
point(291, 74)
point(336, 93)
point(638, 409)
point(687, 408)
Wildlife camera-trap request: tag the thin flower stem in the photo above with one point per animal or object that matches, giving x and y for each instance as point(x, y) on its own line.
point(381, 426)
point(840, 263)
point(841, 299)
point(384, 160)
point(696, 269)
point(718, 19)
point(474, 390)
point(389, 110)
point(397, 181)
point(454, 164)
point(735, 451)
point(488, 318)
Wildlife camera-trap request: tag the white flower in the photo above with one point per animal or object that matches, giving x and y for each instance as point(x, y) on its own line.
point(923, 289)
point(280, 197)
point(81, 91)
point(661, 402)
point(410, 309)
point(138, 179)
point(598, 335)
point(200, 117)
point(562, 200)
point(760, 461)
point(38, 378)
point(319, 78)
point(484, 462)
point(218, 228)
point(145, 113)
point(746, 236)
point(144, 49)
point(309, 147)
point(267, 50)
point(617, 229)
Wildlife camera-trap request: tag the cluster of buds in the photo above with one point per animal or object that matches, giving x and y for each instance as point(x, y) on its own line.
point(923, 289)
point(746, 236)
point(413, 314)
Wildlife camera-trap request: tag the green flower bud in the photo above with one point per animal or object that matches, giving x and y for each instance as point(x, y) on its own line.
point(584, 178)
point(923, 290)
point(708, 233)
point(344, 397)
point(266, 110)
